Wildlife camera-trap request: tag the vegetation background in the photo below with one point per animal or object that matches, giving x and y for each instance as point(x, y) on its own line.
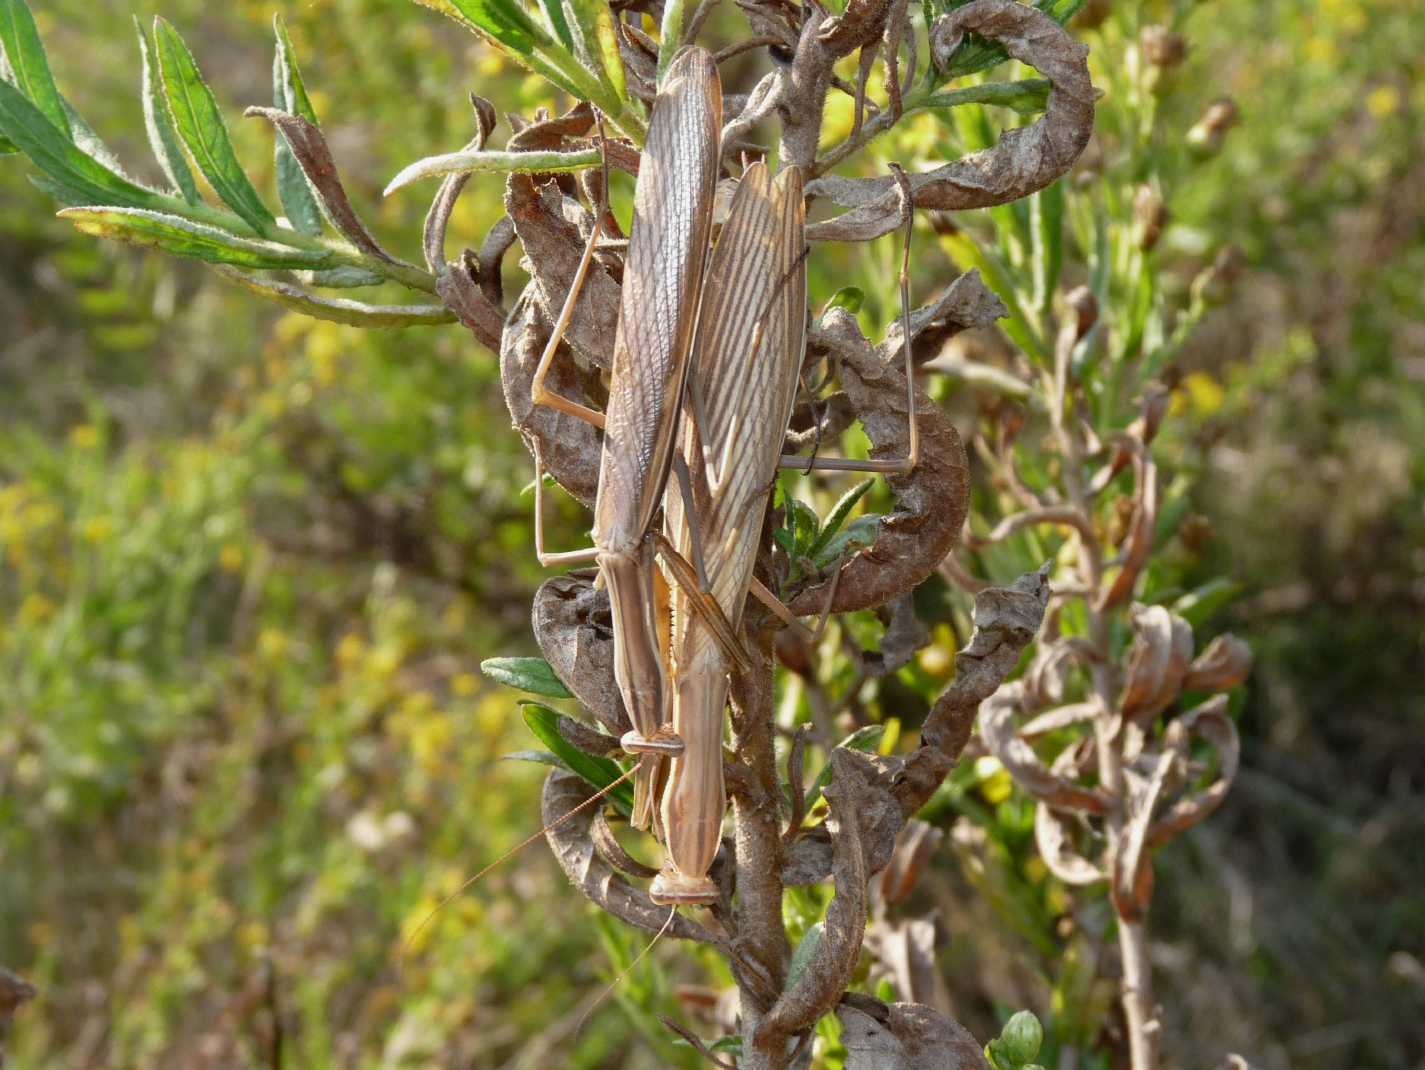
point(252, 563)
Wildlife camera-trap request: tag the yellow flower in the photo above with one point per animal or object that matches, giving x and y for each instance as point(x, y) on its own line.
point(272, 643)
point(230, 557)
point(1383, 100)
point(36, 608)
point(84, 436)
point(96, 529)
point(350, 649)
point(464, 684)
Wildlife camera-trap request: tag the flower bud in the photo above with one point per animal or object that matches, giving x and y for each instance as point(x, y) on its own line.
point(1149, 217)
point(1022, 1037)
point(1205, 138)
point(1163, 52)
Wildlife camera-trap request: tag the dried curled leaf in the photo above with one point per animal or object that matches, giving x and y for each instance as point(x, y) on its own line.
point(931, 501)
point(1054, 838)
point(309, 146)
point(570, 837)
point(1222, 666)
point(1157, 661)
point(1025, 159)
point(572, 623)
point(904, 1036)
point(997, 728)
point(1211, 723)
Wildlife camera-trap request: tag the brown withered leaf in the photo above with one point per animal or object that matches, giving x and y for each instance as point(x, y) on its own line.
point(553, 246)
point(570, 836)
point(433, 232)
point(1053, 836)
point(1132, 869)
point(997, 729)
point(1142, 529)
point(613, 853)
point(1222, 666)
point(904, 1036)
point(915, 845)
point(1209, 722)
point(571, 621)
point(569, 447)
point(850, 795)
point(547, 134)
point(967, 303)
point(1025, 159)
point(905, 952)
point(459, 291)
point(931, 501)
point(309, 146)
point(1157, 661)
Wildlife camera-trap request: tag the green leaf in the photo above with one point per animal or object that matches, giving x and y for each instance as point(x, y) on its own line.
point(600, 772)
point(805, 523)
point(29, 69)
point(1199, 604)
point(801, 957)
point(598, 37)
point(1046, 228)
point(341, 309)
point(290, 95)
point(341, 278)
point(541, 757)
point(159, 123)
point(851, 298)
point(175, 234)
point(506, 22)
point(838, 515)
point(8, 147)
point(534, 675)
point(1029, 96)
point(73, 175)
point(463, 163)
point(865, 739)
point(554, 12)
point(856, 535)
point(200, 125)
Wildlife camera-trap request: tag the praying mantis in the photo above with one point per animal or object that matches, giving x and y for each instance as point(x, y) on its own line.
point(706, 368)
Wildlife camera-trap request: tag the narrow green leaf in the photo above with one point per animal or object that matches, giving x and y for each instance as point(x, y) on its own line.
point(290, 95)
point(341, 309)
point(506, 22)
point(200, 125)
point(159, 124)
point(670, 35)
point(8, 147)
point(74, 176)
point(600, 772)
point(175, 234)
point(341, 278)
point(1046, 227)
point(801, 957)
point(1199, 604)
point(838, 514)
point(457, 163)
point(29, 69)
point(856, 535)
point(598, 44)
point(1027, 97)
point(534, 675)
point(554, 12)
point(805, 523)
point(851, 298)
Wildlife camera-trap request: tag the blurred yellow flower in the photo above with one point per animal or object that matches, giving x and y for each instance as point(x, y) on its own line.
point(36, 608)
point(1383, 100)
point(84, 436)
point(350, 649)
point(464, 684)
point(231, 557)
point(97, 528)
point(272, 643)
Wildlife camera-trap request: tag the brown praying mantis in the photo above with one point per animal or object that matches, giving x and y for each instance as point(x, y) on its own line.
point(750, 317)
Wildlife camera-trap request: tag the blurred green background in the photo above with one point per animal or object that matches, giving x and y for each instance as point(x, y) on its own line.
point(252, 563)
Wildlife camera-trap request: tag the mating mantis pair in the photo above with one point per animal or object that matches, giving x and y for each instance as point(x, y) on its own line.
point(707, 362)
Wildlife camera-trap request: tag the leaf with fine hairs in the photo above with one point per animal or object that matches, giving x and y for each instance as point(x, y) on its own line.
point(594, 21)
point(174, 234)
point(506, 21)
point(290, 95)
point(600, 772)
point(28, 68)
point(70, 174)
point(159, 123)
point(311, 152)
point(200, 126)
point(479, 162)
point(341, 309)
point(534, 675)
